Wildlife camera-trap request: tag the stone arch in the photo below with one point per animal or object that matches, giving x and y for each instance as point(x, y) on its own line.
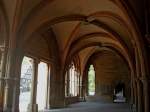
point(89, 62)
point(99, 35)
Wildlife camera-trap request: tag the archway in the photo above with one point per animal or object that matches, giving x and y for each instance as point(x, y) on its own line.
point(91, 81)
point(107, 75)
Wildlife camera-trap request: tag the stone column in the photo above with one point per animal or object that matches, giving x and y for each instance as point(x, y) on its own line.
point(17, 82)
point(140, 101)
point(68, 81)
point(145, 82)
point(48, 87)
point(135, 95)
point(57, 96)
point(11, 81)
point(33, 107)
point(80, 85)
point(132, 93)
point(9, 97)
point(2, 66)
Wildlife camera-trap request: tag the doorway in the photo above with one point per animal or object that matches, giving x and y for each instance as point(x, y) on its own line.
point(119, 93)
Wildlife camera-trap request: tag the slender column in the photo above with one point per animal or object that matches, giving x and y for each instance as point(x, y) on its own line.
point(135, 95)
point(48, 87)
point(68, 82)
point(79, 86)
point(132, 88)
point(140, 105)
point(139, 90)
point(2, 63)
point(132, 93)
point(33, 107)
point(146, 94)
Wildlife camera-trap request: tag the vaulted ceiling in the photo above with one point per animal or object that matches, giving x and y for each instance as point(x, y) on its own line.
point(80, 26)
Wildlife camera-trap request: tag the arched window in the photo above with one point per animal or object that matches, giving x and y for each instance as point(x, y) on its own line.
point(91, 80)
point(72, 81)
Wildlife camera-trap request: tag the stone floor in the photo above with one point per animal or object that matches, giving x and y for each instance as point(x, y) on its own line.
point(95, 107)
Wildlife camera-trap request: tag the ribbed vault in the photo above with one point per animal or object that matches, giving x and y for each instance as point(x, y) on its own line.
point(75, 30)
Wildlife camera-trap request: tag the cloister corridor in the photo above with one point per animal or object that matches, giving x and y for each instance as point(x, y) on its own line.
point(74, 55)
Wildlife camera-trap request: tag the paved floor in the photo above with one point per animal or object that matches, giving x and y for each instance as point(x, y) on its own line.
point(94, 107)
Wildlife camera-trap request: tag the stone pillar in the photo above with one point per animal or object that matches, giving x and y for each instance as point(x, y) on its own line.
point(33, 107)
point(68, 81)
point(132, 88)
point(48, 87)
point(80, 86)
point(11, 81)
point(140, 100)
point(9, 97)
point(57, 98)
point(145, 82)
point(132, 93)
point(2, 66)
point(135, 96)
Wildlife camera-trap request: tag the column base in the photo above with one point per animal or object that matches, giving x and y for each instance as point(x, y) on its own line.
point(33, 108)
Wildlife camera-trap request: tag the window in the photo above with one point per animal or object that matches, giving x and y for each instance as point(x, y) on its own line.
point(25, 83)
point(72, 81)
point(91, 80)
